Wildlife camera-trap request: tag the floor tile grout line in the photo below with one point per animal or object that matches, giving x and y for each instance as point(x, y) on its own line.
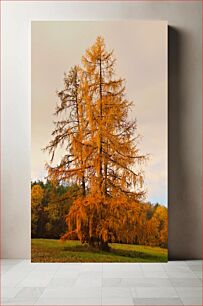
point(46, 286)
point(102, 282)
point(175, 288)
point(16, 286)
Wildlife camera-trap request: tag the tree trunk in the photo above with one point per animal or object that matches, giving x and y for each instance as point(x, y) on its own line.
point(83, 186)
point(103, 246)
point(100, 127)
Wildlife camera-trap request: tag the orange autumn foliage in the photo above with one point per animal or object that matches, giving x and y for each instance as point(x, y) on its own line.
point(102, 154)
point(98, 220)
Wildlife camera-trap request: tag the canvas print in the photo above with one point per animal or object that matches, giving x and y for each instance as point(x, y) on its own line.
point(99, 141)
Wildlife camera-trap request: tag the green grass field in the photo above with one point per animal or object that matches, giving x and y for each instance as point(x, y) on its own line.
point(50, 250)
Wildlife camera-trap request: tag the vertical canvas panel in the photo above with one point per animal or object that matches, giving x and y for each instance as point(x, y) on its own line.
point(99, 141)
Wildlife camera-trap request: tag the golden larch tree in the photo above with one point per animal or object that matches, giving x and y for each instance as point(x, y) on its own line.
point(102, 153)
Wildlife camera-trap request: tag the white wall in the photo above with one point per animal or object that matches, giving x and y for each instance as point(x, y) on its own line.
point(184, 113)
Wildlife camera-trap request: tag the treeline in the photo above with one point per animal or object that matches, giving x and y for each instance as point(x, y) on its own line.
point(51, 204)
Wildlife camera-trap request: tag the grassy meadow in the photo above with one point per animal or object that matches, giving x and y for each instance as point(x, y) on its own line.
point(51, 250)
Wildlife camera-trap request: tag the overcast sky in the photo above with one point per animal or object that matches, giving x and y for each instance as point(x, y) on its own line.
point(141, 51)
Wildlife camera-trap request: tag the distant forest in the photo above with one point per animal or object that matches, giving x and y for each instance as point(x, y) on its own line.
point(51, 204)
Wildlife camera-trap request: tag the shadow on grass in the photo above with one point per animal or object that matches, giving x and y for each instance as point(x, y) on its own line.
point(115, 252)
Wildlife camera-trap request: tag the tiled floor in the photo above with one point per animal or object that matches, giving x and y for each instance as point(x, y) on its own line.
point(174, 283)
